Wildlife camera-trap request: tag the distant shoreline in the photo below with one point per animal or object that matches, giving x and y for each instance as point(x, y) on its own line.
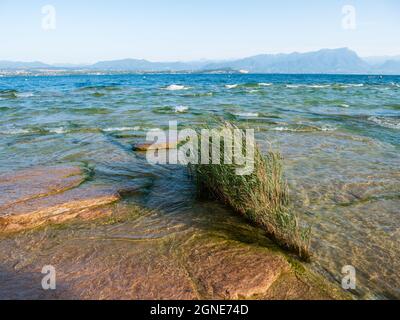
point(55, 73)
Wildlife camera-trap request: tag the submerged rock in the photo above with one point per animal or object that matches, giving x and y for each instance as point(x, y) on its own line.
point(155, 146)
point(31, 198)
point(137, 254)
point(36, 182)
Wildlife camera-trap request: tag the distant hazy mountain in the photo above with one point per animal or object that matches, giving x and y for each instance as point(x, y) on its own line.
point(323, 61)
point(390, 67)
point(328, 61)
point(380, 60)
point(23, 65)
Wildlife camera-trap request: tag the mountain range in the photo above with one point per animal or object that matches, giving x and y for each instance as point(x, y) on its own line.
point(325, 61)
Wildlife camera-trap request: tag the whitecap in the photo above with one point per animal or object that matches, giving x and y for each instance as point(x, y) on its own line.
point(176, 87)
point(121, 129)
point(24, 95)
point(181, 109)
point(246, 114)
point(231, 86)
point(15, 131)
point(390, 123)
point(351, 85)
point(313, 86)
point(58, 130)
point(344, 105)
point(304, 129)
point(318, 86)
point(264, 84)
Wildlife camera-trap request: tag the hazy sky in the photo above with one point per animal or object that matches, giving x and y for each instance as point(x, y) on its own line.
point(92, 30)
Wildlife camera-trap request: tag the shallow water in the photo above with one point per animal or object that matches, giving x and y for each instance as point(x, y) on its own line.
point(340, 137)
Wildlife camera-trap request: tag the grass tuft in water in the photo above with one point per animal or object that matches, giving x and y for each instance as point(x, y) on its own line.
point(262, 197)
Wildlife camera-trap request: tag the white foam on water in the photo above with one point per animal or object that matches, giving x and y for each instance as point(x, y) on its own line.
point(386, 122)
point(352, 85)
point(181, 109)
point(287, 129)
point(246, 114)
point(176, 87)
point(318, 86)
point(25, 95)
point(313, 86)
point(15, 131)
point(231, 86)
point(344, 105)
point(121, 129)
point(58, 130)
point(264, 84)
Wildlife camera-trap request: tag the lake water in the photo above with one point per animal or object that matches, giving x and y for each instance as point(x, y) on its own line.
point(339, 135)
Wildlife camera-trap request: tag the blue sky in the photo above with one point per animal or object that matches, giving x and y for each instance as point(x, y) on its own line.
point(165, 30)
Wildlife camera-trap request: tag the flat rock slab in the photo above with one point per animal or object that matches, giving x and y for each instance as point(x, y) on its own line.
point(34, 197)
point(37, 182)
point(144, 257)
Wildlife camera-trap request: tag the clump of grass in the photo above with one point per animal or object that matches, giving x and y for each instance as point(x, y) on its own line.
point(262, 196)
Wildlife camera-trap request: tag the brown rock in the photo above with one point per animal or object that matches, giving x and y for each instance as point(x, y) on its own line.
point(230, 270)
point(36, 182)
point(31, 198)
point(162, 145)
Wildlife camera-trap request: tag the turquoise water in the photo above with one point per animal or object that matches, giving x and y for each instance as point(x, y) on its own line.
point(340, 137)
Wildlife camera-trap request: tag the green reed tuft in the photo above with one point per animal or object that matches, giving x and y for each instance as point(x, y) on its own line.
point(262, 196)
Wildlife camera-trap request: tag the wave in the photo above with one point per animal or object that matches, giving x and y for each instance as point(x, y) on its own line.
point(181, 109)
point(89, 111)
point(351, 85)
point(344, 105)
point(204, 94)
point(323, 86)
point(176, 87)
point(246, 114)
point(312, 86)
point(231, 86)
point(58, 130)
point(387, 122)
point(24, 95)
point(15, 131)
point(303, 128)
point(99, 88)
point(118, 129)
point(8, 94)
point(248, 85)
point(170, 110)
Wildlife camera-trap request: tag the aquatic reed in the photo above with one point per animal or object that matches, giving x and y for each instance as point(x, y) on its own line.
point(262, 196)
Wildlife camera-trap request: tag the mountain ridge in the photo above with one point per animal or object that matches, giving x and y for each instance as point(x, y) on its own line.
point(324, 61)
